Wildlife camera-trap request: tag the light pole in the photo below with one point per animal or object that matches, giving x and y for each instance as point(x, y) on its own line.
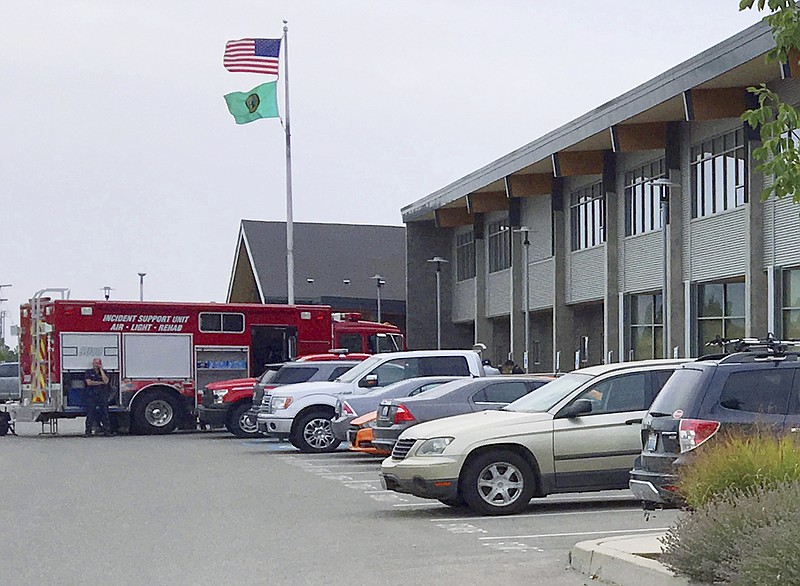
point(439, 261)
point(3, 314)
point(665, 185)
point(527, 243)
point(379, 282)
point(141, 286)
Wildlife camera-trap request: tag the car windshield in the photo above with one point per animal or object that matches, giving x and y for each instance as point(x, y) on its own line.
point(385, 343)
point(295, 374)
point(548, 395)
point(268, 376)
point(357, 371)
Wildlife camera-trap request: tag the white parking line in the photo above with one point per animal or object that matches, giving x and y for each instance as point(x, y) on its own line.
point(541, 535)
point(342, 473)
point(568, 499)
point(350, 481)
point(513, 546)
point(499, 517)
point(351, 465)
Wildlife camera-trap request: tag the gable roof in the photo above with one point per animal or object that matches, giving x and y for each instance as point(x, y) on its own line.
point(327, 253)
point(736, 61)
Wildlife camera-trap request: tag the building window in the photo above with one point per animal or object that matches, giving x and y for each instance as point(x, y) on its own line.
point(499, 246)
point(646, 318)
point(718, 175)
point(465, 256)
point(643, 199)
point(588, 217)
point(791, 304)
point(720, 312)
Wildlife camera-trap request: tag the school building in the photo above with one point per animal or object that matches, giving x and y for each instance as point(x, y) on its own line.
point(635, 231)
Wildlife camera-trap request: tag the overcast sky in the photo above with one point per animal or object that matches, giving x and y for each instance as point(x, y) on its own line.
point(118, 154)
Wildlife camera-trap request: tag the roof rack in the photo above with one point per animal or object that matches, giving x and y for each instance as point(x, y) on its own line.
point(752, 349)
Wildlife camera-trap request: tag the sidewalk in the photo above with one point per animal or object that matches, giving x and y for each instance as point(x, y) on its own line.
point(626, 561)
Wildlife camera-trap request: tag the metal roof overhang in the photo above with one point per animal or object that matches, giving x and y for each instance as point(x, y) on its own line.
point(736, 62)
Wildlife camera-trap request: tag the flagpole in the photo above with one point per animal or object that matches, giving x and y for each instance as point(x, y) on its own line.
point(289, 220)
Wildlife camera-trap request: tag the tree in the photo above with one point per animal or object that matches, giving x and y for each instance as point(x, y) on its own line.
point(776, 121)
point(6, 353)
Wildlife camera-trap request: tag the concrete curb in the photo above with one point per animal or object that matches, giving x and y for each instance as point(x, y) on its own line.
point(615, 559)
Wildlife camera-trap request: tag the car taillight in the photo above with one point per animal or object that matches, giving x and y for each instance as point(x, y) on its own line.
point(693, 432)
point(402, 415)
point(347, 410)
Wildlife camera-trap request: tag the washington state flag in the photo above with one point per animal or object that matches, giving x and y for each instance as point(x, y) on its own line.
point(260, 102)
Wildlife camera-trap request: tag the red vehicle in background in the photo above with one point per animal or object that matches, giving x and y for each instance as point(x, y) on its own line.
point(234, 403)
point(157, 354)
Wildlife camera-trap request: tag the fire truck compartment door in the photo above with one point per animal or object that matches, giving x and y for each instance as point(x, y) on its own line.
point(77, 351)
point(157, 356)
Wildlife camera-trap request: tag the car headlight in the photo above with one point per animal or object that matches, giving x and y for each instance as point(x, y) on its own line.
point(434, 446)
point(281, 403)
point(218, 395)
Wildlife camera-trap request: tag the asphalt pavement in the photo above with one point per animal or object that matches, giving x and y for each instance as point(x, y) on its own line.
point(208, 508)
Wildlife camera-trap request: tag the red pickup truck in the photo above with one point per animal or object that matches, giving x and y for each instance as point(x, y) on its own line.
point(231, 403)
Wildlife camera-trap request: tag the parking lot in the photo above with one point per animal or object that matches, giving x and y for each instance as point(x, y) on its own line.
point(208, 508)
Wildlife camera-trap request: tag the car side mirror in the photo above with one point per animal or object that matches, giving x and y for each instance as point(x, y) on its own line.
point(578, 408)
point(369, 381)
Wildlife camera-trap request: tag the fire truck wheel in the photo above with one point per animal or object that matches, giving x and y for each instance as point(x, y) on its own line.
point(313, 433)
point(239, 423)
point(156, 413)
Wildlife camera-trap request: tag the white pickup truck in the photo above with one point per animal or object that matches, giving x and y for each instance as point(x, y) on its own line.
point(303, 412)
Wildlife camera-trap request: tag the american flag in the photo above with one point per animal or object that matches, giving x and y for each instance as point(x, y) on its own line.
point(252, 56)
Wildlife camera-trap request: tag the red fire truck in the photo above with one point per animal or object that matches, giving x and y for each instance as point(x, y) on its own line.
point(157, 354)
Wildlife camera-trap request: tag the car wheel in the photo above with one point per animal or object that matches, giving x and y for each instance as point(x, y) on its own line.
point(313, 434)
point(156, 413)
point(239, 424)
point(498, 482)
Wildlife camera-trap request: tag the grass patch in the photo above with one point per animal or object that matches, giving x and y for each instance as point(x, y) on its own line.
point(737, 464)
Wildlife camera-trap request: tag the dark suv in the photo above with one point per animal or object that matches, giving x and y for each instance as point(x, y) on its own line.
point(756, 386)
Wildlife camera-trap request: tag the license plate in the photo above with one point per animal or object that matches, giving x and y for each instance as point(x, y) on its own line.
point(384, 411)
point(652, 441)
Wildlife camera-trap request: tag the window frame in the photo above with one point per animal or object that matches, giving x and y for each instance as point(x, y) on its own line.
point(643, 198)
point(724, 316)
point(587, 217)
point(710, 169)
point(466, 266)
point(787, 308)
point(221, 315)
point(499, 246)
point(655, 326)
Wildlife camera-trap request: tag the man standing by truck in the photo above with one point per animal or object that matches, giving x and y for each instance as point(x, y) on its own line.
point(96, 399)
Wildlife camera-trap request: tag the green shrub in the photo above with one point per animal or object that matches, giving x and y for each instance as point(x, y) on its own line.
point(771, 556)
point(737, 463)
point(732, 536)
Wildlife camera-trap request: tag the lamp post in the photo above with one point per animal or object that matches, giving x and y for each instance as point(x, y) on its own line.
point(379, 282)
point(524, 230)
point(664, 184)
point(3, 314)
point(141, 286)
point(438, 261)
